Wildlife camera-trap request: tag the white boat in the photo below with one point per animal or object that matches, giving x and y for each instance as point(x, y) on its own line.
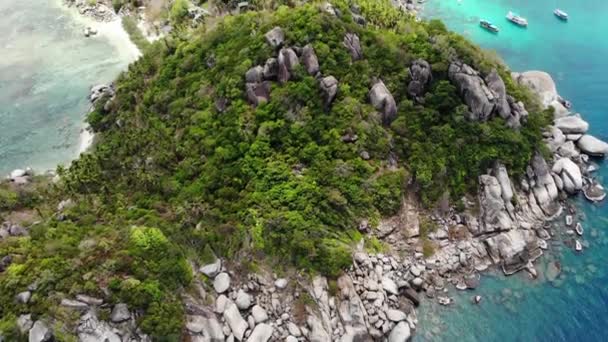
point(579, 229)
point(517, 20)
point(560, 14)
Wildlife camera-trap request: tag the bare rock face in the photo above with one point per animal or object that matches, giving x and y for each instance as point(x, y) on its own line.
point(420, 73)
point(494, 214)
point(486, 97)
point(473, 90)
point(592, 146)
point(383, 101)
point(352, 43)
point(570, 174)
point(543, 185)
point(310, 60)
point(513, 249)
point(287, 62)
point(329, 86)
point(258, 93)
point(271, 69)
point(255, 74)
point(275, 37)
point(543, 86)
point(572, 124)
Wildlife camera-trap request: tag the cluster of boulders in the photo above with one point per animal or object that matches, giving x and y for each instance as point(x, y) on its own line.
point(100, 10)
point(486, 96)
point(258, 80)
point(122, 325)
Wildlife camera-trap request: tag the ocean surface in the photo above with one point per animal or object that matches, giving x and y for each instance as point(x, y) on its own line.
point(573, 306)
point(47, 67)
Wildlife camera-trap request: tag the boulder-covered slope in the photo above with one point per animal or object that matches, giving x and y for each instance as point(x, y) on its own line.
point(268, 138)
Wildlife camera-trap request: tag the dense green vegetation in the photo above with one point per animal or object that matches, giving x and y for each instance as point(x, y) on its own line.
point(174, 175)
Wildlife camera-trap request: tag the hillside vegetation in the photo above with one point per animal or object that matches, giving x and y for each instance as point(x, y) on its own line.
point(185, 167)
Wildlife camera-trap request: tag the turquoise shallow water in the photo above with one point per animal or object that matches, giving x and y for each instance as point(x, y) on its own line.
point(517, 308)
point(46, 70)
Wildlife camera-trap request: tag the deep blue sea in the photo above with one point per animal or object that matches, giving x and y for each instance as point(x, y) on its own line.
point(573, 307)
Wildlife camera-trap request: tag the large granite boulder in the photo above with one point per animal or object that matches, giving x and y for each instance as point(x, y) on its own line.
point(513, 249)
point(570, 174)
point(400, 333)
point(120, 313)
point(235, 321)
point(288, 60)
point(310, 61)
point(472, 88)
point(518, 115)
point(275, 37)
point(255, 74)
point(592, 146)
point(543, 86)
point(421, 76)
point(40, 332)
point(352, 43)
point(258, 93)
point(497, 86)
point(271, 69)
point(572, 124)
point(543, 185)
point(261, 333)
point(494, 215)
point(329, 86)
point(383, 101)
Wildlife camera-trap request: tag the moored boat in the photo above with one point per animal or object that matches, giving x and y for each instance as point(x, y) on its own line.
point(579, 229)
point(517, 20)
point(488, 26)
point(560, 14)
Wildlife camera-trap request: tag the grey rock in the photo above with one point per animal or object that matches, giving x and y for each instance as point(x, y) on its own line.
point(480, 99)
point(568, 150)
point(594, 192)
point(543, 185)
point(258, 93)
point(40, 332)
point(329, 86)
point(261, 333)
point(89, 300)
point(275, 37)
point(90, 329)
point(280, 283)
point(383, 101)
point(400, 333)
point(271, 69)
point(540, 83)
point(74, 304)
point(310, 61)
point(254, 75)
point(221, 283)
point(23, 297)
point(259, 314)
point(209, 327)
point(317, 331)
point(120, 313)
point(396, 315)
point(572, 124)
point(592, 146)
point(293, 329)
point(288, 60)
point(236, 322)
point(497, 86)
point(570, 174)
point(24, 323)
point(389, 286)
point(352, 43)
point(421, 76)
point(243, 300)
point(291, 339)
point(220, 304)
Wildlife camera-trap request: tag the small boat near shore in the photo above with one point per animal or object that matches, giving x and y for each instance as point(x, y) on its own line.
point(561, 14)
point(489, 26)
point(517, 20)
point(579, 229)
